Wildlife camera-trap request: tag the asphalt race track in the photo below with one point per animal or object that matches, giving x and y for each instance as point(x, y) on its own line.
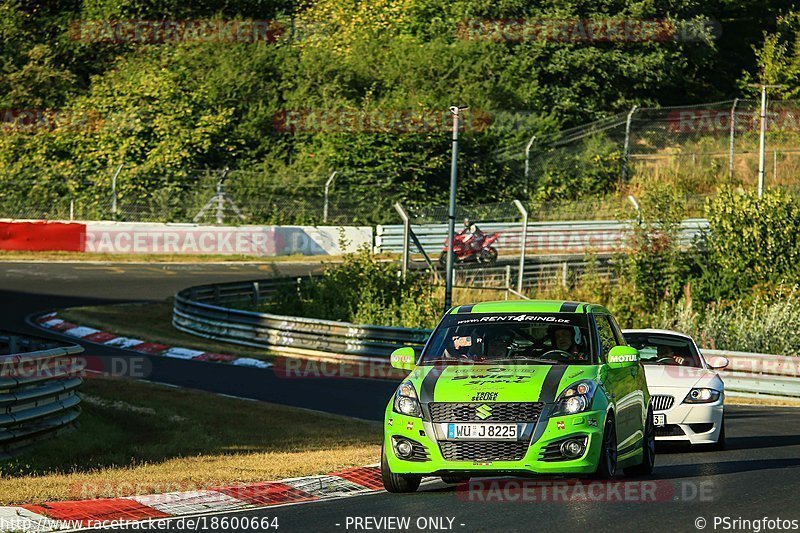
point(27, 288)
point(757, 477)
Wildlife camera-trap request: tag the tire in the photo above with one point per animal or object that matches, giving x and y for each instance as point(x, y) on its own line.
point(397, 483)
point(455, 479)
point(720, 444)
point(607, 465)
point(648, 450)
point(487, 256)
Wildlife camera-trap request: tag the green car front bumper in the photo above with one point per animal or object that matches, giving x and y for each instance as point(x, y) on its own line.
point(536, 451)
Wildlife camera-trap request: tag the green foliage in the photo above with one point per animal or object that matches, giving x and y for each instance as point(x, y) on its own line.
point(764, 325)
point(594, 170)
point(750, 241)
point(362, 290)
point(172, 107)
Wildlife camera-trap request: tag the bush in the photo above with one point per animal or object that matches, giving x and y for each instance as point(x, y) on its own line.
point(751, 241)
point(362, 290)
point(764, 325)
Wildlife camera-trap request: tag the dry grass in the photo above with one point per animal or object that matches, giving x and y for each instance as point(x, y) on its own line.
point(138, 438)
point(150, 322)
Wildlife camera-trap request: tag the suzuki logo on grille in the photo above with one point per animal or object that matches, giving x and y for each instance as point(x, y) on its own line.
point(483, 412)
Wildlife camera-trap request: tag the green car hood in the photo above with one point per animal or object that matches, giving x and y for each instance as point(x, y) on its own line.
point(501, 383)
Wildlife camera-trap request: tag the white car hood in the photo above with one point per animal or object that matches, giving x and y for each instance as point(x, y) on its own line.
point(680, 377)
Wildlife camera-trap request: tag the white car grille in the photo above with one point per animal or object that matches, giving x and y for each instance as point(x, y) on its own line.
point(662, 402)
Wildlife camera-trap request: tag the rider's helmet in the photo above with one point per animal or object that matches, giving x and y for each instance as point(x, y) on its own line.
point(467, 222)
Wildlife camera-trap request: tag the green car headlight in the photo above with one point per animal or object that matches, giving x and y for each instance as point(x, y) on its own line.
point(406, 401)
point(702, 395)
point(576, 398)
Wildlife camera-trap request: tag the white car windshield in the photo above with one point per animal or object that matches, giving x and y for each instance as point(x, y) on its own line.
point(662, 349)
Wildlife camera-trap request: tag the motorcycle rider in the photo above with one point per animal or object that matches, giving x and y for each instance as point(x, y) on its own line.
point(475, 237)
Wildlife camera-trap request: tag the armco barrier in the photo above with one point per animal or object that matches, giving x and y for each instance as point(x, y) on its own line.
point(38, 383)
point(542, 237)
point(201, 311)
point(760, 375)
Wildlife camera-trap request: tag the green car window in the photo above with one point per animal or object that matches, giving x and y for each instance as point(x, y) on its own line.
point(606, 334)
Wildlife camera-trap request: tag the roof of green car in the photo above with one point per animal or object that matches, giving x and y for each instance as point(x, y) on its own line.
point(530, 306)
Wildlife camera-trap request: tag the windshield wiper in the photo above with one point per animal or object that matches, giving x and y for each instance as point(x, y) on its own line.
point(525, 358)
point(458, 360)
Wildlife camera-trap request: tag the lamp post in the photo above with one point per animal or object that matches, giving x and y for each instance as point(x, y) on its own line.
point(451, 215)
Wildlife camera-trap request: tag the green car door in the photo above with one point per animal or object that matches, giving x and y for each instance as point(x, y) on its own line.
point(627, 388)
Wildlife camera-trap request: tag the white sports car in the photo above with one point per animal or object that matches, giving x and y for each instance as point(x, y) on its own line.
point(687, 392)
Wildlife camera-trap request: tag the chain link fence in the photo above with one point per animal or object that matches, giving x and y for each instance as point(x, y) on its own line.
point(582, 173)
point(199, 196)
point(696, 147)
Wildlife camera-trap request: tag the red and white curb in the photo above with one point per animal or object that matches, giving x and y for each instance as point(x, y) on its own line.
point(52, 322)
point(66, 515)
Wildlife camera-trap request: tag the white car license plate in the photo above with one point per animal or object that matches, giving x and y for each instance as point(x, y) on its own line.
point(482, 431)
point(660, 420)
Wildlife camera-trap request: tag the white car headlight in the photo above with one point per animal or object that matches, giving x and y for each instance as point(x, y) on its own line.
point(406, 401)
point(702, 395)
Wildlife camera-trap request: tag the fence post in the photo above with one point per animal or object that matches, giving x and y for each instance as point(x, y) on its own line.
point(626, 149)
point(406, 235)
point(523, 245)
point(528, 162)
point(220, 202)
point(325, 204)
point(256, 294)
point(733, 137)
point(114, 191)
point(632, 200)
point(508, 279)
point(564, 273)
point(71, 210)
point(775, 166)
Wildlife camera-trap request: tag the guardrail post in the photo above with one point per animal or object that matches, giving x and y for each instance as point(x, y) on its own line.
point(216, 293)
point(564, 273)
point(256, 294)
point(406, 236)
point(524, 244)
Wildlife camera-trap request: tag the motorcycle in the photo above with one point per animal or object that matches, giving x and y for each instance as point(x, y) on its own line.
point(464, 252)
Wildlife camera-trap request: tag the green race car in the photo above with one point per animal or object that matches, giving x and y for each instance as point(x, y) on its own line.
point(516, 388)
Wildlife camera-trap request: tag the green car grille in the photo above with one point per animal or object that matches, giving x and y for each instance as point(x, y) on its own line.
point(485, 412)
point(483, 451)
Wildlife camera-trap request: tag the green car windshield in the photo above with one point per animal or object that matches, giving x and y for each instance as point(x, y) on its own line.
point(520, 338)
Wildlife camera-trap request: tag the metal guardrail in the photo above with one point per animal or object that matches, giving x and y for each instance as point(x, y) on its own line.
point(38, 390)
point(201, 311)
point(755, 375)
point(542, 237)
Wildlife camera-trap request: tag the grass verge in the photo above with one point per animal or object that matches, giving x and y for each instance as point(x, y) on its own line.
point(150, 322)
point(140, 438)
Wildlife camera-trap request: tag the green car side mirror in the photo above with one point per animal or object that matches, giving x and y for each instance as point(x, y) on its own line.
point(623, 357)
point(403, 358)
